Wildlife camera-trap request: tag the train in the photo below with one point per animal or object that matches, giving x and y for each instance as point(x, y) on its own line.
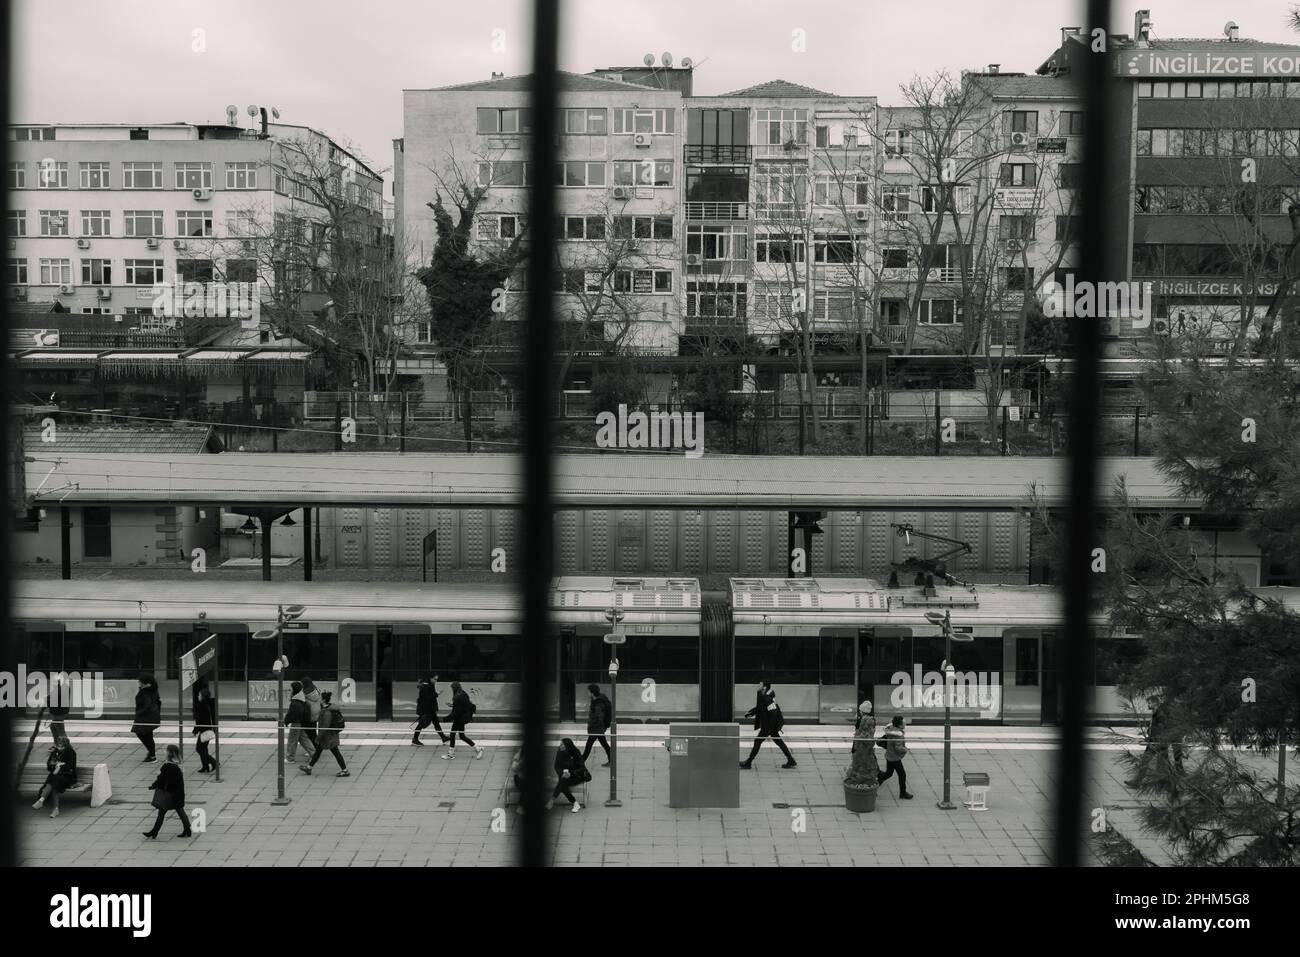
point(826, 644)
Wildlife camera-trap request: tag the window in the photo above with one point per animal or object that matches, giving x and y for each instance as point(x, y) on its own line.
point(139, 134)
point(51, 175)
point(892, 311)
point(1071, 123)
point(962, 199)
point(94, 176)
point(142, 176)
point(583, 228)
point(1068, 229)
point(1143, 142)
point(1070, 175)
point(494, 226)
point(898, 142)
point(16, 178)
point(144, 272)
point(718, 243)
point(896, 203)
point(54, 222)
point(1020, 121)
point(143, 222)
point(1144, 90)
point(644, 121)
point(720, 300)
point(834, 249)
point(505, 173)
point(193, 222)
point(1018, 174)
point(241, 270)
point(643, 227)
point(16, 272)
point(195, 270)
point(643, 281)
point(778, 249)
point(830, 189)
point(1018, 278)
point(895, 258)
point(580, 174)
point(786, 128)
point(56, 272)
point(241, 222)
point(16, 222)
point(241, 176)
point(780, 187)
point(940, 312)
point(97, 272)
point(645, 172)
point(833, 306)
point(34, 133)
point(584, 122)
point(508, 120)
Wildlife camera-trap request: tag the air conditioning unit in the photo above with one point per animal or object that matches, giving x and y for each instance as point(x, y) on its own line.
point(20, 293)
point(13, 244)
point(83, 243)
point(1110, 327)
point(1020, 141)
point(633, 245)
point(178, 243)
point(248, 245)
point(693, 259)
point(1015, 245)
point(1160, 327)
point(202, 194)
point(104, 293)
point(152, 242)
point(862, 216)
point(642, 140)
point(65, 290)
point(622, 192)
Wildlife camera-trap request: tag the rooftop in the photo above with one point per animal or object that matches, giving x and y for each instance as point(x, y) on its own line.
point(118, 440)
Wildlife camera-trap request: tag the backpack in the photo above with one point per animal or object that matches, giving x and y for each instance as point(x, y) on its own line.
point(473, 709)
point(335, 718)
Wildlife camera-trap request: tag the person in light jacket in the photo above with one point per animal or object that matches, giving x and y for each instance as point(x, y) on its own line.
point(205, 727)
point(62, 766)
point(895, 751)
point(768, 722)
point(169, 793)
point(148, 714)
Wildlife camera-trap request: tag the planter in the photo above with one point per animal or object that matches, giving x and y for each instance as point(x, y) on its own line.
point(860, 800)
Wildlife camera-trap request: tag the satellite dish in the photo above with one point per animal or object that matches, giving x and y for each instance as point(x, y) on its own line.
point(687, 63)
point(275, 112)
point(668, 59)
point(648, 59)
point(232, 115)
point(252, 111)
point(1230, 29)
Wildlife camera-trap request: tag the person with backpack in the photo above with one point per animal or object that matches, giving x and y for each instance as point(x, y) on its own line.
point(599, 718)
point(426, 708)
point(462, 710)
point(327, 737)
point(311, 694)
point(895, 750)
point(169, 793)
point(148, 715)
point(570, 769)
point(768, 722)
point(298, 718)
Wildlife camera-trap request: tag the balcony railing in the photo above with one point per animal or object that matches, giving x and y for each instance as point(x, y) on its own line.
point(719, 211)
point(716, 153)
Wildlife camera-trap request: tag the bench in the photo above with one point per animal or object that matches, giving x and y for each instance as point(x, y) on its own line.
point(92, 785)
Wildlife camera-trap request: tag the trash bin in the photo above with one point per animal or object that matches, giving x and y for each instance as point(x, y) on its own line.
point(703, 768)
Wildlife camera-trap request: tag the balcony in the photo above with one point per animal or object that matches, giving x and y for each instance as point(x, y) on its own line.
point(727, 212)
point(717, 153)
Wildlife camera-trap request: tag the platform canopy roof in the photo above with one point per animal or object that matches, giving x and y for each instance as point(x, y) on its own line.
point(581, 481)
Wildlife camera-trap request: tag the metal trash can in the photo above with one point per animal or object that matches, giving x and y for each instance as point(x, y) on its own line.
point(703, 767)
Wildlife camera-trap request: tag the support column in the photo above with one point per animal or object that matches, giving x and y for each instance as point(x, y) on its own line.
point(65, 541)
point(264, 518)
point(306, 544)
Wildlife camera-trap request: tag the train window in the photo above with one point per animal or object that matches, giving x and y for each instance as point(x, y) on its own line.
point(1114, 656)
point(116, 654)
point(363, 661)
point(232, 660)
point(44, 651)
point(311, 655)
point(489, 657)
point(789, 660)
point(1027, 662)
point(837, 661)
point(668, 659)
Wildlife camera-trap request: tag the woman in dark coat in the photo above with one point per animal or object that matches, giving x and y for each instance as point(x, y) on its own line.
point(169, 793)
point(462, 709)
point(571, 770)
point(768, 722)
point(62, 765)
point(205, 727)
point(148, 714)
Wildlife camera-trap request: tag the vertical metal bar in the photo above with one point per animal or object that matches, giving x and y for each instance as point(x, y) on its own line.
point(8, 637)
point(938, 421)
point(1005, 410)
point(65, 542)
point(1137, 431)
point(306, 544)
point(1081, 518)
point(338, 425)
point(402, 446)
point(538, 532)
point(264, 518)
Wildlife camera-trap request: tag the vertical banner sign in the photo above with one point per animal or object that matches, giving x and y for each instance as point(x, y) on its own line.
point(199, 662)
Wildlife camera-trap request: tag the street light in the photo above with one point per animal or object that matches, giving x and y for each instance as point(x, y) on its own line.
point(613, 639)
point(944, 621)
point(283, 616)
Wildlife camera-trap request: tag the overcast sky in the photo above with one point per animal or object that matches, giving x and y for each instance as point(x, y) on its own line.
point(341, 67)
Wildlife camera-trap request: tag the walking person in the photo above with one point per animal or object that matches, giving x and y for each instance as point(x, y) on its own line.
point(600, 715)
point(312, 695)
point(1162, 738)
point(148, 714)
point(298, 718)
point(895, 750)
point(426, 709)
point(61, 763)
point(570, 769)
point(169, 793)
point(768, 722)
point(462, 710)
point(205, 726)
point(60, 695)
point(327, 736)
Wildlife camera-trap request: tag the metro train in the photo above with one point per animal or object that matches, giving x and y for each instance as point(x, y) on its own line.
point(824, 643)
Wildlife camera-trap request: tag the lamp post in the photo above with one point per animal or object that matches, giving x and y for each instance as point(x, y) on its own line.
point(283, 616)
point(944, 621)
point(614, 639)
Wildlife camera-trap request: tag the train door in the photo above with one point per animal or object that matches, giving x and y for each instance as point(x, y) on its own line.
point(882, 653)
point(359, 642)
point(385, 672)
point(568, 673)
point(1051, 705)
point(837, 665)
point(245, 688)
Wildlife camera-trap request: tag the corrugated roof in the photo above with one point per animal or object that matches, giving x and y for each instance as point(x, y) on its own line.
point(76, 440)
point(778, 88)
point(568, 83)
point(593, 481)
point(1035, 87)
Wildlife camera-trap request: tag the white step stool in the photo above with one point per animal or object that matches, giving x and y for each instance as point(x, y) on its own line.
point(977, 789)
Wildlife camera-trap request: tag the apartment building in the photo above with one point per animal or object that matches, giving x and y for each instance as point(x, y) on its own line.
point(1208, 167)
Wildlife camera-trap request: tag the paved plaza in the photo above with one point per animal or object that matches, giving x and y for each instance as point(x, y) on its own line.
point(405, 806)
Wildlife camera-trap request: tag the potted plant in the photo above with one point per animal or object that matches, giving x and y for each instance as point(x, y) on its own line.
point(861, 777)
